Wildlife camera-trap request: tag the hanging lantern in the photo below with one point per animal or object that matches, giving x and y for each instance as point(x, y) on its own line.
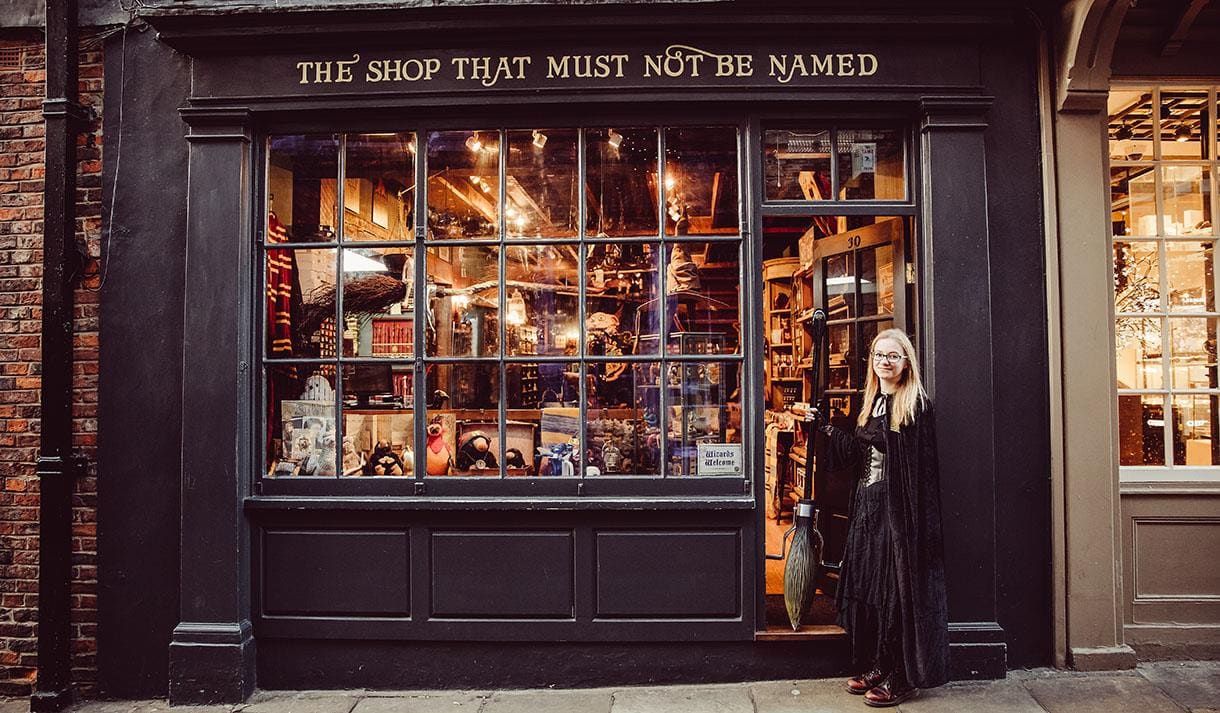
point(516, 309)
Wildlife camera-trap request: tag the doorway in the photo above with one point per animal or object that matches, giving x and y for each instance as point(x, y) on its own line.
point(821, 250)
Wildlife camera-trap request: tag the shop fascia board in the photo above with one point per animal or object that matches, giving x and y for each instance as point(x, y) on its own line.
point(223, 28)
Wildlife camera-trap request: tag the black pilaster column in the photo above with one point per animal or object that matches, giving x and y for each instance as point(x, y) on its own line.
point(957, 342)
point(212, 651)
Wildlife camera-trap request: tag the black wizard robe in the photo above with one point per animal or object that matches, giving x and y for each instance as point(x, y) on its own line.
point(914, 620)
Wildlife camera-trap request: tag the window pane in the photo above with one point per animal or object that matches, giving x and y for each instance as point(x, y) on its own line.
point(1184, 121)
point(877, 280)
point(1141, 429)
point(302, 172)
point(541, 184)
point(1191, 280)
point(1138, 351)
point(623, 431)
point(1193, 352)
point(871, 164)
point(544, 414)
point(621, 183)
point(1137, 278)
point(377, 302)
point(704, 420)
point(701, 181)
point(379, 187)
point(702, 287)
point(796, 164)
point(621, 291)
point(543, 314)
point(840, 277)
point(301, 421)
point(1131, 124)
point(463, 184)
point(1186, 192)
point(303, 321)
point(378, 420)
point(839, 355)
point(1133, 201)
point(1195, 438)
point(461, 398)
point(463, 301)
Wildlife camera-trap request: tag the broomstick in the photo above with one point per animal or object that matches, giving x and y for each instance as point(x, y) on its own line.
point(801, 569)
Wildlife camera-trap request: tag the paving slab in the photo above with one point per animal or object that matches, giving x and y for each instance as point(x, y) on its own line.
point(106, 706)
point(438, 702)
point(1193, 684)
point(1004, 696)
point(162, 706)
point(303, 702)
point(1100, 694)
point(592, 701)
point(826, 695)
point(14, 705)
point(683, 699)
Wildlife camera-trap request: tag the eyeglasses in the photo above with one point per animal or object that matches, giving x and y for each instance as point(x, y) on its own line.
point(891, 358)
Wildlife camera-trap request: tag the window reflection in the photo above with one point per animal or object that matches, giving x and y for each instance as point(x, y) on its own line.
point(541, 186)
point(621, 186)
point(701, 181)
point(1141, 429)
point(463, 184)
point(1186, 195)
point(1137, 277)
point(302, 191)
point(796, 164)
point(871, 165)
point(1138, 352)
point(379, 187)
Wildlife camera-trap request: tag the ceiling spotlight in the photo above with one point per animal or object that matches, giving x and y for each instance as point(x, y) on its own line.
point(614, 138)
point(1183, 134)
point(473, 143)
point(539, 139)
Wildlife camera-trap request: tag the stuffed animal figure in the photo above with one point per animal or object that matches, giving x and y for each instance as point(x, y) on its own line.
point(513, 458)
point(440, 456)
point(353, 460)
point(384, 461)
point(474, 452)
point(326, 463)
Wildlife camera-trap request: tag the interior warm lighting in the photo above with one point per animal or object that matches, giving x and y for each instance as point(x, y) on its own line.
point(355, 262)
point(411, 145)
point(473, 143)
point(539, 139)
point(1183, 134)
point(475, 180)
point(614, 138)
point(669, 183)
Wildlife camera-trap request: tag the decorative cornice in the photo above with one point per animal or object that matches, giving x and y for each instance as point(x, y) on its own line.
point(210, 124)
point(1088, 33)
point(954, 112)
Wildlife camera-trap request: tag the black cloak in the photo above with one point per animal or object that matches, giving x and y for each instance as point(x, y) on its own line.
point(912, 488)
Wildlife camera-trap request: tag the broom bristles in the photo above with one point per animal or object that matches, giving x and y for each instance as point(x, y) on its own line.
point(368, 295)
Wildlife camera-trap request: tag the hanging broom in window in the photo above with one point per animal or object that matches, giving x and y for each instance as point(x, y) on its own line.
point(801, 569)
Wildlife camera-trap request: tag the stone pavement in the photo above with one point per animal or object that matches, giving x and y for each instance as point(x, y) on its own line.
point(1164, 687)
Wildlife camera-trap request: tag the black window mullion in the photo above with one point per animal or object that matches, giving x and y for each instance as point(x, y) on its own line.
point(502, 301)
point(419, 309)
point(663, 314)
point(340, 327)
point(581, 308)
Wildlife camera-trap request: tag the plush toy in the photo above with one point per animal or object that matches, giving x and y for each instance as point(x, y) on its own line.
point(353, 460)
point(439, 457)
point(384, 461)
point(474, 452)
point(513, 458)
point(326, 464)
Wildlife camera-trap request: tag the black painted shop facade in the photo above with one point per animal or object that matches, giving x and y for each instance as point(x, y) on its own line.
point(252, 567)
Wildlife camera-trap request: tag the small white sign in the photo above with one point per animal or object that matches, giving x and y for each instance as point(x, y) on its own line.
point(863, 158)
point(718, 458)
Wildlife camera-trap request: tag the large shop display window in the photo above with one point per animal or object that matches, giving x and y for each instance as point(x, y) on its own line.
point(1163, 199)
point(500, 303)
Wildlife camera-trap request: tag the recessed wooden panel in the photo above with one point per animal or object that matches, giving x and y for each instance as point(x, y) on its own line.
point(679, 574)
point(501, 575)
point(330, 572)
point(1176, 558)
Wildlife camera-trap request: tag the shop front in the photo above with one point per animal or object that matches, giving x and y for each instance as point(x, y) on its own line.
point(492, 328)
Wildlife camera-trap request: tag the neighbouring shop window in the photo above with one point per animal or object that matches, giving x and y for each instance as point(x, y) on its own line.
point(1163, 197)
point(569, 306)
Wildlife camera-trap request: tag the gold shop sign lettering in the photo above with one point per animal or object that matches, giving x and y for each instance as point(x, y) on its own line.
point(677, 62)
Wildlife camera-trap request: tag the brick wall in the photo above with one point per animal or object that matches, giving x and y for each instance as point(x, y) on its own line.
point(22, 78)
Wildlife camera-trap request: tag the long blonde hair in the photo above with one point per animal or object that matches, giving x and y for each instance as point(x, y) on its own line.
point(910, 393)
